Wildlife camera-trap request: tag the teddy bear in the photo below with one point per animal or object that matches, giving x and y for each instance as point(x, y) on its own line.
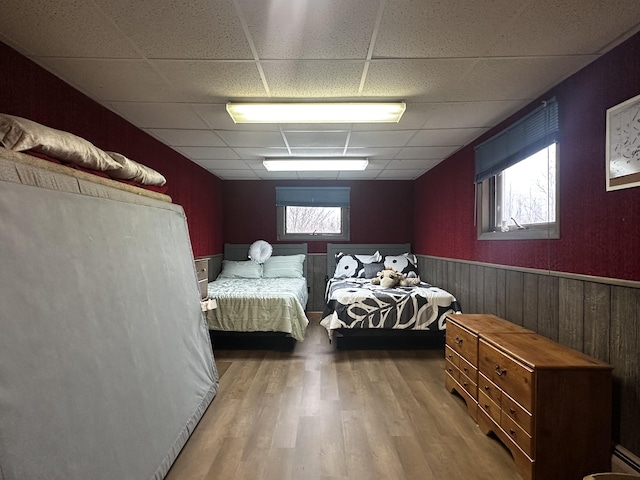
point(389, 278)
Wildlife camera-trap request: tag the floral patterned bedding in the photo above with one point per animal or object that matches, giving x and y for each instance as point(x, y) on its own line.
point(356, 303)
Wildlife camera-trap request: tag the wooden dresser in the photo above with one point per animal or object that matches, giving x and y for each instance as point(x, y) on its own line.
point(202, 269)
point(550, 405)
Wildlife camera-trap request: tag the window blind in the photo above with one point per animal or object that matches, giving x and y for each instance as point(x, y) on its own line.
point(525, 137)
point(313, 196)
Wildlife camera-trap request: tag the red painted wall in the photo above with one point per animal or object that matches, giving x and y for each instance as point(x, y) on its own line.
point(599, 230)
point(381, 211)
point(29, 91)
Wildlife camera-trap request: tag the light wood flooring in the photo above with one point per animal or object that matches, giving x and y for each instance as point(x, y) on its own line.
point(317, 413)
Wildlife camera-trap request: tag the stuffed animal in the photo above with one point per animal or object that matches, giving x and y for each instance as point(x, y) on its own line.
point(389, 278)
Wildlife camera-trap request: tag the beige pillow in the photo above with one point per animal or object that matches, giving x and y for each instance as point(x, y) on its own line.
point(20, 134)
point(132, 170)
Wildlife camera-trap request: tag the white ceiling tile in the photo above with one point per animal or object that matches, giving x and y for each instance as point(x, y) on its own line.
point(158, 115)
point(180, 29)
point(216, 116)
point(62, 29)
point(445, 137)
point(549, 27)
point(207, 153)
point(358, 175)
point(248, 153)
point(425, 152)
point(317, 152)
point(237, 175)
point(311, 139)
point(469, 114)
point(115, 80)
point(252, 139)
point(378, 153)
point(415, 80)
point(310, 29)
point(423, 165)
point(527, 77)
point(318, 175)
point(213, 82)
point(184, 138)
point(266, 175)
point(223, 164)
point(313, 79)
point(381, 138)
point(442, 28)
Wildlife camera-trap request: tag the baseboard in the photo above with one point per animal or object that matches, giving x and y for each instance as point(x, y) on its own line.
point(623, 461)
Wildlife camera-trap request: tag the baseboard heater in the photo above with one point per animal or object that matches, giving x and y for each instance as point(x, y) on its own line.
point(624, 461)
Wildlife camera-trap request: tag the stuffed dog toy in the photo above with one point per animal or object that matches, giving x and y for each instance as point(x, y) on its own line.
point(389, 278)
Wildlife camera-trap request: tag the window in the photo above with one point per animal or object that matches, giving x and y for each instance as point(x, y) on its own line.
point(313, 213)
point(516, 179)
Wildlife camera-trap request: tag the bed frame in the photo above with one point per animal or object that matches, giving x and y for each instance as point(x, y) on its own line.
point(347, 338)
point(257, 340)
point(105, 360)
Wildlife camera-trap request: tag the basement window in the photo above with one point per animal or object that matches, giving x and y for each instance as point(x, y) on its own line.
point(517, 179)
point(313, 213)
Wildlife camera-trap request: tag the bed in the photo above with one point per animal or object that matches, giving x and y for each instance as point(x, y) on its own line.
point(355, 309)
point(259, 306)
point(106, 365)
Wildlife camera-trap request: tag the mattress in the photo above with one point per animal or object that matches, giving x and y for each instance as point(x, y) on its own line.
point(259, 305)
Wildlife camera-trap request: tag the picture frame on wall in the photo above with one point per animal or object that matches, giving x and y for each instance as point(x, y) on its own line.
point(623, 145)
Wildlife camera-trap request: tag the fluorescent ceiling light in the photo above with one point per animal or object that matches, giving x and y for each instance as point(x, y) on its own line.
point(314, 164)
point(316, 112)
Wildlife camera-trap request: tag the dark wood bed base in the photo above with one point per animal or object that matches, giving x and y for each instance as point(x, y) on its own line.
point(375, 339)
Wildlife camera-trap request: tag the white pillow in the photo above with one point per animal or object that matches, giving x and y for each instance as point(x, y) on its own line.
point(350, 265)
point(284, 266)
point(260, 251)
point(240, 269)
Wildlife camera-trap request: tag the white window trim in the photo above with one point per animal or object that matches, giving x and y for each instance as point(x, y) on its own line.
point(485, 202)
point(316, 237)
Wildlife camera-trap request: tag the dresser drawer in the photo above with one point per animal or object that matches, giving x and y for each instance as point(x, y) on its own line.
point(202, 268)
point(469, 385)
point(451, 356)
point(487, 387)
point(489, 406)
point(517, 434)
point(469, 370)
point(452, 370)
point(512, 377)
point(463, 342)
point(518, 414)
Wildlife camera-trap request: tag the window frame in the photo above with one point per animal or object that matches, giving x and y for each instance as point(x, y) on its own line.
point(486, 198)
point(282, 235)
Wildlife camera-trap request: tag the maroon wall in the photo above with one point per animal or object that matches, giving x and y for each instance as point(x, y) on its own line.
point(29, 91)
point(599, 230)
point(381, 211)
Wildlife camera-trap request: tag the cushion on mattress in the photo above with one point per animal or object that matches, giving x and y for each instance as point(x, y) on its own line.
point(371, 269)
point(20, 134)
point(405, 263)
point(240, 269)
point(134, 171)
point(349, 265)
point(284, 266)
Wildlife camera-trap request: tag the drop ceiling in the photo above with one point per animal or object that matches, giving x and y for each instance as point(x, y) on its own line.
point(170, 66)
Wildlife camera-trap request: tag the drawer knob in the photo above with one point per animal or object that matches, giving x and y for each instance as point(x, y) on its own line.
point(512, 431)
point(458, 340)
point(512, 410)
point(500, 371)
point(487, 387)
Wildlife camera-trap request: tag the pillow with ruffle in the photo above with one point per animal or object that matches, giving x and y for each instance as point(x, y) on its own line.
point(260, 251)
point(240, 269)
point(136, 172)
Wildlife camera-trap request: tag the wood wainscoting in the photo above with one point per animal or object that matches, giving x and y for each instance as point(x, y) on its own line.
point(597, 316)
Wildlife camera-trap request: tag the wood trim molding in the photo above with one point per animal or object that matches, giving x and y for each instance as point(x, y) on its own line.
point(551, 273)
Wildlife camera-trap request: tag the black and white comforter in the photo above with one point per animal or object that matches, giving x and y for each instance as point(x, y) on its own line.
point(357, 303)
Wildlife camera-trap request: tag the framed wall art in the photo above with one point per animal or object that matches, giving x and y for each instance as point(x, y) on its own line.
point(623, 145)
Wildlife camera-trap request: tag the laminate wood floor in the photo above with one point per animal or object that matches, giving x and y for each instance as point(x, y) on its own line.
point(317, 413)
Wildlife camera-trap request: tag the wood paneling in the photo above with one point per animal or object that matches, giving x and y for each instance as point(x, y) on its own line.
point(598, 318)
